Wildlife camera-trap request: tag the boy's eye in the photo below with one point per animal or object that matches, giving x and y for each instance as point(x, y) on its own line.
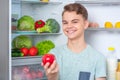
point(64, 22)
point(75, 22)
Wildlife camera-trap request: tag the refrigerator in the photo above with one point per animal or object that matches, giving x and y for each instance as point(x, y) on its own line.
point(101, 38)
point(4, 42)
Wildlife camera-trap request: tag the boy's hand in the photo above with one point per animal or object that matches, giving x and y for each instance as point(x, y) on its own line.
point(52, 72)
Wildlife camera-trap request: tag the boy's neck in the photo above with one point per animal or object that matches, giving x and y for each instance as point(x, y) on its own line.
point(76, 46)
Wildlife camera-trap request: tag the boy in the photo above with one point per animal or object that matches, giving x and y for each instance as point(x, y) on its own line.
point(76, 60)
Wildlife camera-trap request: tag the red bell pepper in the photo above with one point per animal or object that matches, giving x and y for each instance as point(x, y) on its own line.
point(39, 24)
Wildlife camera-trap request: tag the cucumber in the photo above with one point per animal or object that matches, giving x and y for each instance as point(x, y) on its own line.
point(16, 50)
point(17, 54)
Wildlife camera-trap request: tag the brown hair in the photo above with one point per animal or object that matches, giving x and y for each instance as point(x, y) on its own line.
point(78, 8)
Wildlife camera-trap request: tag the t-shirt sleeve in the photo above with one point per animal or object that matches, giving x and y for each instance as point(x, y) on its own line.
point(100, 67)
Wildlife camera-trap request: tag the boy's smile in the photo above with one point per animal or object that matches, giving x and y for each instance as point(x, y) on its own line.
point(73, 24)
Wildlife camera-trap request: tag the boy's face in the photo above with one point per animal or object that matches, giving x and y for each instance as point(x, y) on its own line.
point(73, 24)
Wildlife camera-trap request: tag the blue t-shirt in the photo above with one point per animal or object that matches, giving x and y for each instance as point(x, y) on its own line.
point(86, 65)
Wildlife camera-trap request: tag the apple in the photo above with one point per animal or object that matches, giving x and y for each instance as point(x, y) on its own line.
point(33, 51)
point(48, 58)
point(24, 51)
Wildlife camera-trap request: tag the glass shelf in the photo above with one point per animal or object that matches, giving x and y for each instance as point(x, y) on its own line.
point(99, 2)
point(33, 33)
point(15, 1)
point(40, 2)
point(103, 29)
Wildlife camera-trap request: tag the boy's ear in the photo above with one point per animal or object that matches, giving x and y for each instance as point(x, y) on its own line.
point(86, 24)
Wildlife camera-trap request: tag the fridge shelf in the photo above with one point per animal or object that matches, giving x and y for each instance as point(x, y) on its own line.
point(29, 60)
point(33, 33)
point(103, 29)
point(98, 2)
point(40, 2)
point(16, 1)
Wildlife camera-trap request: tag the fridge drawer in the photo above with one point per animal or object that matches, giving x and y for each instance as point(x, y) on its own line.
point(17, 61)
point(28, 72)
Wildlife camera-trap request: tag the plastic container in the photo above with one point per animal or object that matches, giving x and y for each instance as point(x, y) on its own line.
point(118, 70)
point(111, 63)
point(28, 72)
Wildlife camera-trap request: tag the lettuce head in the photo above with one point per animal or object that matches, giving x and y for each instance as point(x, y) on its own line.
point(21, 41)
point(44, 46)
point(26, 23)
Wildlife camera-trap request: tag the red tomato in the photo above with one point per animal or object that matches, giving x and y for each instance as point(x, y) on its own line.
point(34, 74)
point(48, 58)
point(39, 74)
point(24, 51)
point(25, 69)
point(28, 76)
point(33, 51)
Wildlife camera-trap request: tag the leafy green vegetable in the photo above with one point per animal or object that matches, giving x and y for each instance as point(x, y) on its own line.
point(26, 23)
point(21, 41)
point(53, 25)
point(44, 46)
point(44, 29)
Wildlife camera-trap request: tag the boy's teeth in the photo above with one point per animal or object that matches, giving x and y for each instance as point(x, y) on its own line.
point(70, 31)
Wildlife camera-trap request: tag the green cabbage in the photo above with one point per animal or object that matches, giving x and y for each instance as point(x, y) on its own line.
point(44, 46)
point(21, 41)
point(26, 23)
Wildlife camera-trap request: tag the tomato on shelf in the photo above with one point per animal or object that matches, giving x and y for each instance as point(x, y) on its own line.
point(33, 51)
point(24, 51)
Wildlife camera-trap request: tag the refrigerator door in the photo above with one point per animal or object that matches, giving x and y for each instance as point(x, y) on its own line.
point(4, 39)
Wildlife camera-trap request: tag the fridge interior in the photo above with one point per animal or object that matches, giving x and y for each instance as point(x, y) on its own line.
point(100, 38)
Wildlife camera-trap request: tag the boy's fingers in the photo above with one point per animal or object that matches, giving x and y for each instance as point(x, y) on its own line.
point(46, 66)
point(42, 64)
point(53, 66)
point(55, 70)
point(50, 69)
